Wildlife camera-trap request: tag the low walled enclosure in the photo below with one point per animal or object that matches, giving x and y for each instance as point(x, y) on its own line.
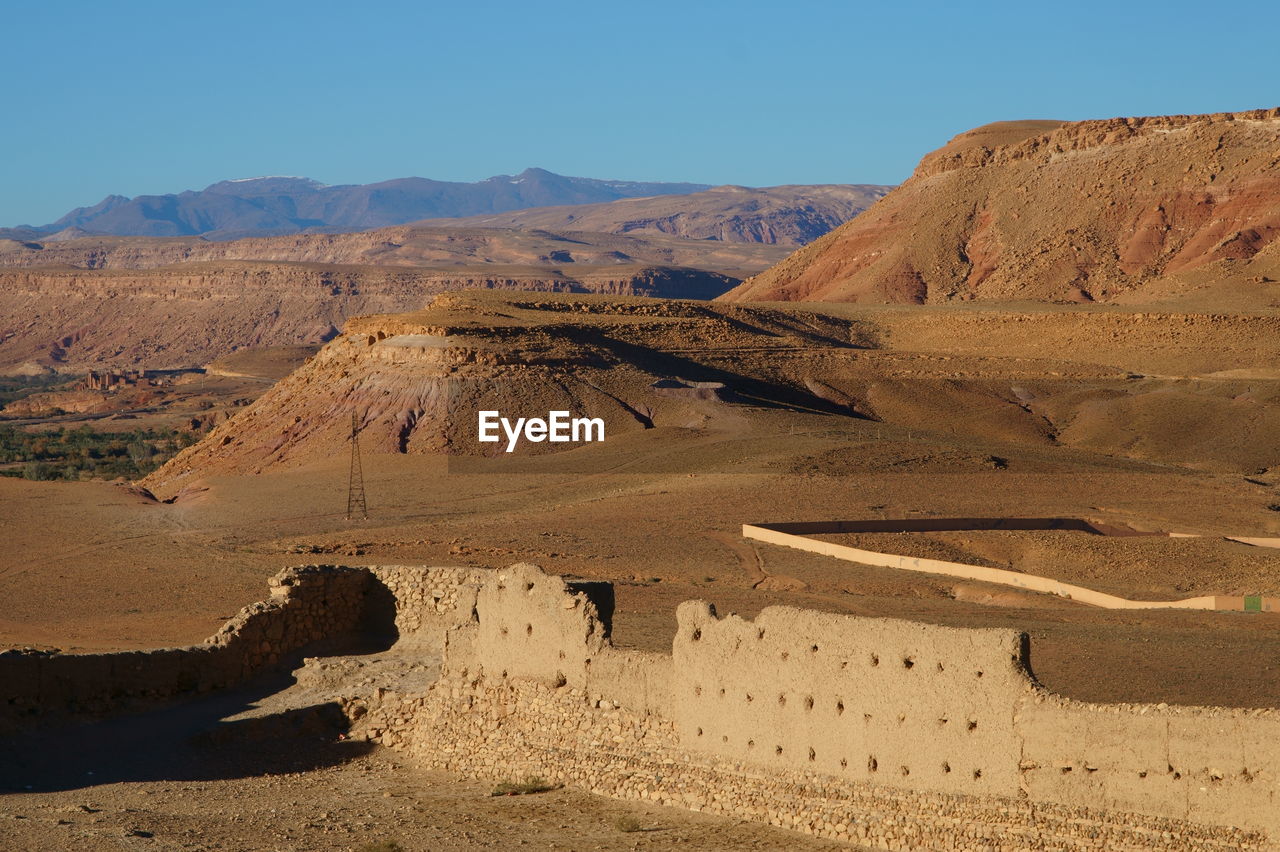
point(797, 534)
point(892, 734)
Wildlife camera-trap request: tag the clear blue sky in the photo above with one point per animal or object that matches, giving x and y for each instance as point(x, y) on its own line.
point(137, 97)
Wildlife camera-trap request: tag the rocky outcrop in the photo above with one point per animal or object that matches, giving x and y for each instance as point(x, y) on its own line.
point(1112, 210)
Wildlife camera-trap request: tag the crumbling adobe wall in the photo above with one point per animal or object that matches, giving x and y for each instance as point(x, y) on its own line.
point(529, 624)
point(892, 702)
point(893, 734)
point(888, 733)
point(310, 607)
point(1210, 764)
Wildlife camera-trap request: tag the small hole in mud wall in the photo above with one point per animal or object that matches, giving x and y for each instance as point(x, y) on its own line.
point(697, 690)
point(908, 662)
point(808, 702)
point(749, 698)
point(697, 634)
point(905, 771)
point(724, 739)
point(946, 767)
point(941, 667)
point(844, 763)
point(872, 764)
point(875, 660)
point(979, 674)
point(973, 726)
point(813, 755)
point(839, 708)
point(722, 692)
point(782, 700)
point(777, 750)
point(528, 630)
point(977, 773)
point(813, 649)
point(751, 743)
point(760, 633)
point(699, 732)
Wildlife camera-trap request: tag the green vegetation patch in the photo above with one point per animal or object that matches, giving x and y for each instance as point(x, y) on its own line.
point(82, 453)
point(19, 387)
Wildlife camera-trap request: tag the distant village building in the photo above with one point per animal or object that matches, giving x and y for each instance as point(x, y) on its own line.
point(109, 380)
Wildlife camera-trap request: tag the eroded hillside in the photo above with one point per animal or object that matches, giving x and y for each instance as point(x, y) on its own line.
point(1117, 210)
point(1181, 389)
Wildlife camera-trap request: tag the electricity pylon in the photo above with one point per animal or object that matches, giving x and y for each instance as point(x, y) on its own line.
point(355, 482)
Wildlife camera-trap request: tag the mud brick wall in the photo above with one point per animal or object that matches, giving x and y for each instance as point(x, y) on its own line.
point(894, 702)
point(1210, 764)
point(309, 607)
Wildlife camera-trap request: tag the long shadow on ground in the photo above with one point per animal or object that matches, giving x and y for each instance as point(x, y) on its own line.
point(187, 742)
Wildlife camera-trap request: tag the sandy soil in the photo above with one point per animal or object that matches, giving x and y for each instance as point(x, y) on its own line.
point(368, 799)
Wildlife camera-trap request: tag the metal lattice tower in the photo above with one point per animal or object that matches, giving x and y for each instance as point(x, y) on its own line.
point(356, 506)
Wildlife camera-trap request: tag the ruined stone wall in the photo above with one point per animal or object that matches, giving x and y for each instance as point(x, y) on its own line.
point(887, 733)
point(504, 729)
point(423, 602)
point(309, 607)
point(874, 730)
point(1210, 764)
point(892, 702)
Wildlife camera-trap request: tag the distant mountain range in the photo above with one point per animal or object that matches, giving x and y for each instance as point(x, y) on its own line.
point(270, 206)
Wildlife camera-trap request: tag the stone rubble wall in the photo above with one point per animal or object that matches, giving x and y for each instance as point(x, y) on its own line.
point(428, 601)
point(310, 607)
